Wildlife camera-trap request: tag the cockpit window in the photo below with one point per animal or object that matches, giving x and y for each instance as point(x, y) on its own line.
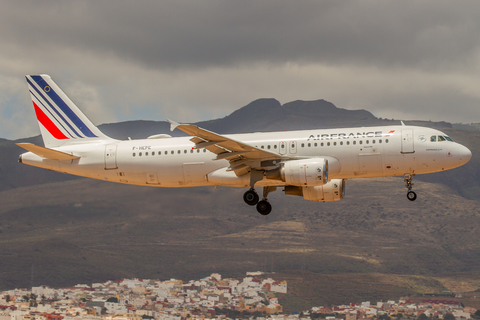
point(440, 138)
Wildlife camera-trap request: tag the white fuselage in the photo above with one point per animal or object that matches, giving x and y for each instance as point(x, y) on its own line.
point(351, 153)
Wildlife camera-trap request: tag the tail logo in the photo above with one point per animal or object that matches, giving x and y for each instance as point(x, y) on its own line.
point(54, 107)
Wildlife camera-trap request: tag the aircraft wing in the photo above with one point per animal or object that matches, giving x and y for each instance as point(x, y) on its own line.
point(240, 155)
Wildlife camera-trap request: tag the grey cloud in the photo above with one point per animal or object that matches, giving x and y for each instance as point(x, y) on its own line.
point(186, 34)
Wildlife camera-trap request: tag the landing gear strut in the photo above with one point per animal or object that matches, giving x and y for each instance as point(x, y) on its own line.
point(411, 195)
point(264, 207)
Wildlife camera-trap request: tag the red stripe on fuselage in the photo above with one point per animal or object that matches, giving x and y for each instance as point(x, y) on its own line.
point(48, 124)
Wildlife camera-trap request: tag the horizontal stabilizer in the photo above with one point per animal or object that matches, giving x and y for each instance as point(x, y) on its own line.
point(47, 153)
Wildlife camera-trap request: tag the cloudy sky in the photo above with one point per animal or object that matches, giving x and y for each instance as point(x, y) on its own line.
point(198, 60)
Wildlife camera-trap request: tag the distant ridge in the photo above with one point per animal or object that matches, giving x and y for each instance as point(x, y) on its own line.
point(267, 114)
point(270, 115)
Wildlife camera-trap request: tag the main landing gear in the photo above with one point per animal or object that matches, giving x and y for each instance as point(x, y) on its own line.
point(251, 197)
point(263, 207)
point(411, 195)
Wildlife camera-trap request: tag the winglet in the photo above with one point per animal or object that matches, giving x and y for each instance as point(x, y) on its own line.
point(403, 124)
point(173, 124)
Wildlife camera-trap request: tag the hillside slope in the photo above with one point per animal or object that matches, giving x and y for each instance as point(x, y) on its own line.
point(85, 230)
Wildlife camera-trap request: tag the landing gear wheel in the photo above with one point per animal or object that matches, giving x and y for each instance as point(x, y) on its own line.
point(411, 195)
point(264, 207)
point(251, 197)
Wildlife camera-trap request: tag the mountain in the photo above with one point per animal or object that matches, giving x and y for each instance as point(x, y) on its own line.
point(270, 115)
point(76, 230)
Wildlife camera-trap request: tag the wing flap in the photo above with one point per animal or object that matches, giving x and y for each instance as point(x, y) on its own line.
point(47, 153)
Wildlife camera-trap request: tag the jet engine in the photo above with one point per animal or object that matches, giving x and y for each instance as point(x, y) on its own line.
point(334, 190)
point(307, 172)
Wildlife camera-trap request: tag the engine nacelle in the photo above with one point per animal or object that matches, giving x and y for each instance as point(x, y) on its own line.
point(307, 172)
point(334, 190)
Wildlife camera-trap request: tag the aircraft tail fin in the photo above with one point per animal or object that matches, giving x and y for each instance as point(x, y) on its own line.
point(61, 122)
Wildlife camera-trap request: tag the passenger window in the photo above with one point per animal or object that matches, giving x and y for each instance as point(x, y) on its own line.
point(185, 151)
point(321, 144)
point(315, 144)
point(274, 146)
point(204, 150)
point(328, 144)
point(268, 147)
point(360, 142)
point(433, 138)
point(341, 143)
point(303, 145)
point(139, 154)
point(441, 138)
point(309, 145)
point(261, 147)
point(172, 152)
point(166, 152)
point(373, 141)
point(348, 143)
point(366, 142)
point(386, 140)
point(146, 153)
point(334, 143)
point(380, 141)
point(191, 150)
point(134, 154)
point(354, 142)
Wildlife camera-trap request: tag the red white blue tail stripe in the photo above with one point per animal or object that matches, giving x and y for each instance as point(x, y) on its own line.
point(59, 118)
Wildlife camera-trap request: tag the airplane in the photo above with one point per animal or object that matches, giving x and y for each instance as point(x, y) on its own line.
point(313, 164)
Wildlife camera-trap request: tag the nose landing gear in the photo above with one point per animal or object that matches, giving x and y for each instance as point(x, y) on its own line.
point(411, 195)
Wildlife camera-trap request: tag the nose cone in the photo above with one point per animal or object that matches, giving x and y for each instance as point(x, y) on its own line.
point(464, 154)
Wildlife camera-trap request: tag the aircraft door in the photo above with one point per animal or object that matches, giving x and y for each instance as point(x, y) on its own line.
point(283, 147)
point(293, 147)
point(111, 157)
point(194, 173)
point(407, 141)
